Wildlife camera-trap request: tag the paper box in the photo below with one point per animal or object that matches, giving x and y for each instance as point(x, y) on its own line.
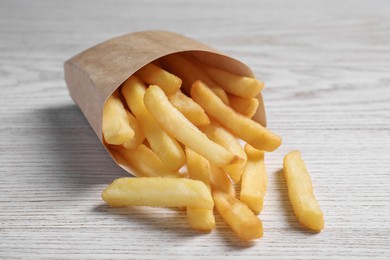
point(93, 75)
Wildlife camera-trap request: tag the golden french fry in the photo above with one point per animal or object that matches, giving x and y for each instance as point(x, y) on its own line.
point(154, 75)
point(165, 146)
point(158, 192)
point(220, 181)
point(189, 73)
point(241, 126)
point(254, 180)
point(221, 94)
point(238, 216)
point(139, 135)
point(238, 85)
point(201, 219)
point(115, 126)
point(182, 129)
point(244, 106)
point(145, 162)
point(199, 169)
point(189, 108)
point(221, 136)
point(300, 191)
point(235, 213)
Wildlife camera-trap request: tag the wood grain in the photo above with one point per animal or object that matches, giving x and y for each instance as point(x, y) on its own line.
point(326, 65)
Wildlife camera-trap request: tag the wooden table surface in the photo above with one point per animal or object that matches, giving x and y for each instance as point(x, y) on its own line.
point(326, 65)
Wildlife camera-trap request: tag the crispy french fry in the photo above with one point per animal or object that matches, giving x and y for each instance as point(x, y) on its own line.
point(154, 75)
point(189, 73)
point(115, 126)
point(158, 192)
point(235, 213)
point(189, 108)
point(238, 85)
point(220, 181)
point(244, 106)
point(238, 216)
point(199, 169)
point(241, 126)
point(201, 219)
point(221, 136)
point(300, 191)
point(165, 146)
point(254, 180)
point(221, 94)
point(145, 162)
point(183, 130)
point(139, 135)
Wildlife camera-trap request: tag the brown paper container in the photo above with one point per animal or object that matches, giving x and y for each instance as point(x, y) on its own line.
point(93, 75)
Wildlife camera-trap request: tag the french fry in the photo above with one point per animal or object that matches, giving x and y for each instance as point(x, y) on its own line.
point(238, 85)
point(244, 106)
point(221, 136)
point(154, 75)
point(158, 192)
point(235, 213)
point(201, 219)
point(189, 73)
point(220, 181)
point(254, 180)
point(221, 94)
point(139, 135)
point(300, 191)
point(145, 162)
point(183, 130)
point(199, 169)
point(115, 126)
point(165, 146)
point(241, 126)
point(238, 216)
point(189, 108)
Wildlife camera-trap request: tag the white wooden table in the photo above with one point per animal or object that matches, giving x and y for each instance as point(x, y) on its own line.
point(326, 65)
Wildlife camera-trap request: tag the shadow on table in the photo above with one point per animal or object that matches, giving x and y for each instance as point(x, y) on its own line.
point(76, 155)
point(172, 221)
point(288, 212)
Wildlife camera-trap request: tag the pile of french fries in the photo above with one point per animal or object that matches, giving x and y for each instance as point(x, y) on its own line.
point(179, 113)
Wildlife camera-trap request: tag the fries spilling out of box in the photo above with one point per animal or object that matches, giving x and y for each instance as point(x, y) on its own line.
point(161, 103)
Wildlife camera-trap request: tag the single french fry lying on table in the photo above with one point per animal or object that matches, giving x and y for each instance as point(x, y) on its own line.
point(300, 191)
point(165, 146)
point(235, 213)
point(183, 130)
point(238, 216)
point(254, 180)
point(241, 126)
point(158, 192)
point(116, 128)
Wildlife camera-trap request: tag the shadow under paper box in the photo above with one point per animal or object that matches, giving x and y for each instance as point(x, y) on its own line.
point(94, 74)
